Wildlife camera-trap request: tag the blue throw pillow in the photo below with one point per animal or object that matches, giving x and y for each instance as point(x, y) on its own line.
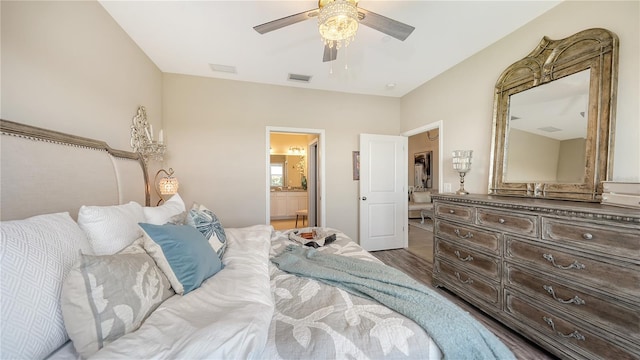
point(183, 253)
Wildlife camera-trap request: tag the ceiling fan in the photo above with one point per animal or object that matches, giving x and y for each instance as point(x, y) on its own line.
point(338, 22)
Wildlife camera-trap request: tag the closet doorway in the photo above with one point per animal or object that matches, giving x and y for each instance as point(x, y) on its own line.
point(294, 177)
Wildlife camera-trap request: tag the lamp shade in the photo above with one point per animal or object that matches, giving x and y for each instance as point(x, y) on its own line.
point(462, 160)
point(168, 185)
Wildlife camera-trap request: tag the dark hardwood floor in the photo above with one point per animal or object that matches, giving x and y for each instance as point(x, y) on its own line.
point(420, 269)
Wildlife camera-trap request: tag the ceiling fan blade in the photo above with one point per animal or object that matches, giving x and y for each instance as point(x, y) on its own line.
point(391, 27)
point(285, 21)
point(330, 53)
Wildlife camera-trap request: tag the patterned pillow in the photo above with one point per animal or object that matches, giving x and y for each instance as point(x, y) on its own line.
point(208, 224)
point(106, 297)
point(111, 228)
point(182, 253)
point(35, 256)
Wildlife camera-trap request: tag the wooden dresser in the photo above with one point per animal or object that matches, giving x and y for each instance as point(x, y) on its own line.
point(564, 274)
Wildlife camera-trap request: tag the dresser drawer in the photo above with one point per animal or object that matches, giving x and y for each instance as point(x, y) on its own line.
point(525, 225)
point(470, 284)
point(464, 214)
point(609, 240)
point(470, 259)
point(559, 330)
point(489, 241)
point(623, 281)
point(621, 319)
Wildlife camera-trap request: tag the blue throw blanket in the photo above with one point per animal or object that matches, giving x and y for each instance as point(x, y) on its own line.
point(457, 333)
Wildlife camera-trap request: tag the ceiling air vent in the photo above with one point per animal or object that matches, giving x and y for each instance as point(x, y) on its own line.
point(299, 78)
point(549, 129)
point(223, 68)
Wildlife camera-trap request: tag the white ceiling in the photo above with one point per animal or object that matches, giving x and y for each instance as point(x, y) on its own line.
point(186, 36)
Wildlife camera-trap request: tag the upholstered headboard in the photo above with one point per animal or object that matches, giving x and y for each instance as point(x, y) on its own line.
point(44, 171)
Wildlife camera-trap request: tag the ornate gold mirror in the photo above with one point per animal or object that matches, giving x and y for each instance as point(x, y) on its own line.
point(554, 116)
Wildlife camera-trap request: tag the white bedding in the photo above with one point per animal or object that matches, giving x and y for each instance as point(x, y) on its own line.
point(227, 317)
point(233, 314)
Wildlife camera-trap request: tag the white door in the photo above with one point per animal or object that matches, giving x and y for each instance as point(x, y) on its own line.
point(383, 194)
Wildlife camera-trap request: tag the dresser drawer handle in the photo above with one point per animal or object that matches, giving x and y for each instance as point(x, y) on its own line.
point(574, 334)
point(468, 258)
point(452, 211)
point(468, 236)
point(468, 281)
point(575, 300)
point(587, 236)
point(574, 265)
point(501, 221)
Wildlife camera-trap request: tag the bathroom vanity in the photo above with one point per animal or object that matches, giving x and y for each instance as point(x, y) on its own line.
point(285, 203)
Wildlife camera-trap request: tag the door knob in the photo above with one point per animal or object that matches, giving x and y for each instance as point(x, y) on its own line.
point(364, 198)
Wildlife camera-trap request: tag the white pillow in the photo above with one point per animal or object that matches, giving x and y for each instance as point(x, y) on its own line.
point(36, 254)
point(111, 228)
point(162, 214)
point(421, 197)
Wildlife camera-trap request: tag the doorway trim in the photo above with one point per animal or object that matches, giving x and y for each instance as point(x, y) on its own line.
point(320, 167)
point(434, 125)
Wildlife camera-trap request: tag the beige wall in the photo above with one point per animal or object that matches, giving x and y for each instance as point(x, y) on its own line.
point(215, 128)
point(571, 164)
point(68, 66)
point(525, 166)
point(280, 143)
point(463, 96)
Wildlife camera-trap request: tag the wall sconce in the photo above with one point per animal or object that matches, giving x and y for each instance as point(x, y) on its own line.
point(168, 185)
point(142, 138)
point(462, 164)
point(294, 150)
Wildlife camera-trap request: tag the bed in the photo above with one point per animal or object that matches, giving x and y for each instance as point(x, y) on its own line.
point(68, 251)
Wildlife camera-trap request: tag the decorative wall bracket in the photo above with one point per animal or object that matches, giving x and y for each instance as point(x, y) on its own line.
point(142, 138)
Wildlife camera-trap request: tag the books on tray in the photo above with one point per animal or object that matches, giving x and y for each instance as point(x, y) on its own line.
point(626, 194)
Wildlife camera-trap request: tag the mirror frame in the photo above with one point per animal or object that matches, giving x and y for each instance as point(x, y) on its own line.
point(594, 49)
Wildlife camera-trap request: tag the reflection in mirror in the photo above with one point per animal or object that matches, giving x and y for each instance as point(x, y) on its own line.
point(287, 171)
point(550, 139)
point(551, 121)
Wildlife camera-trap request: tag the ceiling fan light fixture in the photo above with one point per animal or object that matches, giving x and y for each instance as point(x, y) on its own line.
point(338, 22)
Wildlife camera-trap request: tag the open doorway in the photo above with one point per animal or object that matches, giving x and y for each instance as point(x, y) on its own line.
point(425, 157)
point(295, 177)
point(427, 138)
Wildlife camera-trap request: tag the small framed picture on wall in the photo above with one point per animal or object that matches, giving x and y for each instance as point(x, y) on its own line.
point(356, 165)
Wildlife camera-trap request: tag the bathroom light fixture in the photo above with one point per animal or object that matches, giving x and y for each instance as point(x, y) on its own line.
point(338, 22)
point(168, 185)
point(142, 138)
point(462, 164)
point(294, 150)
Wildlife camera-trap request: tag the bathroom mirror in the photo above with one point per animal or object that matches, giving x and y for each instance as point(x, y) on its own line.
point(286, 171)
point(554, 119)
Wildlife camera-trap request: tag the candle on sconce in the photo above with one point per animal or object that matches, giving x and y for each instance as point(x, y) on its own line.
point(151, 131)
point(161, 137)
point(146, 130)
